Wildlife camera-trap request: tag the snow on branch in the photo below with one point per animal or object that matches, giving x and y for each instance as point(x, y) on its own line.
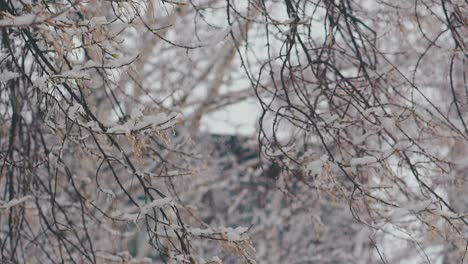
point(14, 202)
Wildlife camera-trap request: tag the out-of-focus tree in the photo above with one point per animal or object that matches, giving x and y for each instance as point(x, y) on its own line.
point(91, 95)
point(361, 135)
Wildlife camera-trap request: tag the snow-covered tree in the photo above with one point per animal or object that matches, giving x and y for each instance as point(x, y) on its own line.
point(106, 109)
point(92, 93)
point(368, 100)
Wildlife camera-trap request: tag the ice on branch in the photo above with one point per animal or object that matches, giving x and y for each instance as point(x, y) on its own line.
point(228, 233)
point(362, 161)
point(134, 217)
point(235, 234)
point(448, 214)
point(116, 62)
point(136, 123)
point(8, 75)
point(17, 21)
point(155, 204)
point(74, 74)
point(410, 207)
point(97, 21)
point(14, 202)
point(41, 83)
point(417, 206)
point(108, 192)
point(75, 110)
